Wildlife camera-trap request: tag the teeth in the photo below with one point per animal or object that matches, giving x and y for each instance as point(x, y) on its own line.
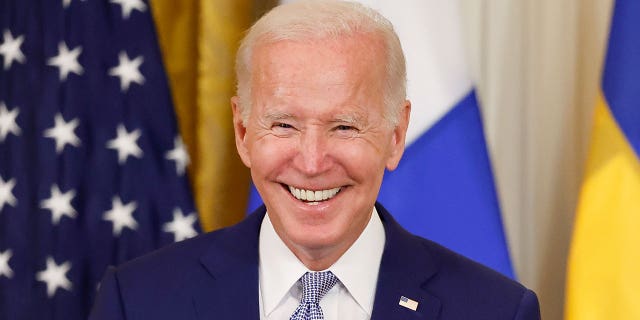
point(313, 196)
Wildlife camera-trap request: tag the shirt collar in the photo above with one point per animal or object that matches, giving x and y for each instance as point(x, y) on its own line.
point(357, 269)
point(279, 268)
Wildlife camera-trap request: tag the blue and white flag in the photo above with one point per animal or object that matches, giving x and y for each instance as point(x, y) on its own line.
point(443, 188)
point(92, 170)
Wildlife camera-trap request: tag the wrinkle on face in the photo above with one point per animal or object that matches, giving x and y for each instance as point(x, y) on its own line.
point(317, 122)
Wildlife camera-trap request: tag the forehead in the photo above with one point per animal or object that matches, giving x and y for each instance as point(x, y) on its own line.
point(328, 70)
point(356, 55)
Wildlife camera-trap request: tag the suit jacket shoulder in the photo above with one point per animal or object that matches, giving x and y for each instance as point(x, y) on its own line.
point(212, 276)
point(445, 284)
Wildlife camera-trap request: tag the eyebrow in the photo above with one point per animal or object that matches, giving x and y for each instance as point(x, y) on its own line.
point(275, 116)
point(349, 118)
point(353, 118)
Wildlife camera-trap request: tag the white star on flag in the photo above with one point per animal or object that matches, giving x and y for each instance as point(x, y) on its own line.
point(10, 49)
point(87, 156)
point(66, 61)
point(179, 155)
point(66, 3)
point(127, 70)
point(5, 270)
point(55, 276)
point(181, 226)
point(63, 133)
point(6, 193)
point(130, 5)
point(125, 143)
point(121, 215)
point(59, 204)
point(8, 121)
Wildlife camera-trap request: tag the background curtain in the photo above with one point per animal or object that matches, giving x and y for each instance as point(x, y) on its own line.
point(538, 65)
point(199, 40)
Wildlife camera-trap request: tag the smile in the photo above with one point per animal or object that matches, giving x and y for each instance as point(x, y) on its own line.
point(313, 196)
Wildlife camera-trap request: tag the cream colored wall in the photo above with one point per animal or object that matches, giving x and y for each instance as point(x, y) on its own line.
point(537, 65)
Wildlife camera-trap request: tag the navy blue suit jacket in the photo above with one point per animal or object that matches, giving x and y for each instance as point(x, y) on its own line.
point(215, 276)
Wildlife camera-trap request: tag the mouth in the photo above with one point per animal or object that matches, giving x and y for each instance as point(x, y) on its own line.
point(313, 197)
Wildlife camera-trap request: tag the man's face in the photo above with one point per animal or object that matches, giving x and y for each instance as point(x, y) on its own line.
point(316, 139)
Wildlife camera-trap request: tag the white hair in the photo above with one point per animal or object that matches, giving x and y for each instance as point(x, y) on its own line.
point(320, 19)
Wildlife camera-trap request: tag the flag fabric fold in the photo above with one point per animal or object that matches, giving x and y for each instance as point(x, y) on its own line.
point(603, 281)
point(92, 168)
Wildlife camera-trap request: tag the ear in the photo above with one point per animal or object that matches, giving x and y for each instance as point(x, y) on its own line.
point(240, 132)
point(399, 136)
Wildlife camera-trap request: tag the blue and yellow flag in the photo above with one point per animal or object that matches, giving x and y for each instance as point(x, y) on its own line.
point(603, 280)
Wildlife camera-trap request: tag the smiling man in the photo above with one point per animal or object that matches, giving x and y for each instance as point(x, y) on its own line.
point(321, 112)
point(317, 139)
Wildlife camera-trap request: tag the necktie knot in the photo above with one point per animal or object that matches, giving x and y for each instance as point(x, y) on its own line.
point(314, 286)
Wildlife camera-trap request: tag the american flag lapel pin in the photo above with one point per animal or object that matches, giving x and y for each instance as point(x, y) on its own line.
point(408, 303)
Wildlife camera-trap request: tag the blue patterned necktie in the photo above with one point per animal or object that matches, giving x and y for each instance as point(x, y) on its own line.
point(314, 286)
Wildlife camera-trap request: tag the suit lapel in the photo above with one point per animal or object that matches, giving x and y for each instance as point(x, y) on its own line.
point(230, 289)
point(405, 269)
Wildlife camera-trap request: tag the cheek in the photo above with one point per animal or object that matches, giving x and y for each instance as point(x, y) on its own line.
point(268, 154)
point(362, 160)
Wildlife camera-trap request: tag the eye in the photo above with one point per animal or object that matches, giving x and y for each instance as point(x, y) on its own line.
point(282, 129)
point(344, 128)
point(346, 131)
point(283, 125)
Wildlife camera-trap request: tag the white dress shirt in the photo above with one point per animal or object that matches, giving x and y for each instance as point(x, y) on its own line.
point(351, 298)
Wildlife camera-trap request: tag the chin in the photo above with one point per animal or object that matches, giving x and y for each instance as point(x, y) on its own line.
point(314, 237)
point(312, 243)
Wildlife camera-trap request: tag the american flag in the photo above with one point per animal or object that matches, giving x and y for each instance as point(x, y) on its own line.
point(92, 169)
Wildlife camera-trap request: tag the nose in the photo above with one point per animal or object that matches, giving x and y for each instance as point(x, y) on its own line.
point(312, 158)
